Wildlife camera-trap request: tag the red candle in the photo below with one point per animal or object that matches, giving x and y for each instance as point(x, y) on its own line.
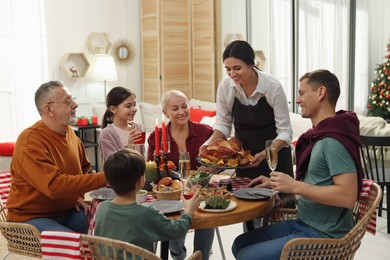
point(157, 139)
point(164, 135)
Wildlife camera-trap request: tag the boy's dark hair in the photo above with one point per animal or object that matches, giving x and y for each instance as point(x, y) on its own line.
point(325, 78)
point(122, 170)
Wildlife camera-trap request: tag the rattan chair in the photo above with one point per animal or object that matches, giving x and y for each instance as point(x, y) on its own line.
point(375, 159)
point(97, 247)
point(23, 239)
point(329, 248)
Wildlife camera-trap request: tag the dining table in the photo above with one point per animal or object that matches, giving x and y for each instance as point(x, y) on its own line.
point(245, 211)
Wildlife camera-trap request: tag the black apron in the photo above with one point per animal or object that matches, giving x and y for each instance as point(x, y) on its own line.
point(253, 125)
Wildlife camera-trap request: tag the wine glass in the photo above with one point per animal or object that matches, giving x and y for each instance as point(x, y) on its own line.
point(184, 170)
point(184, 164)
point(271, 154)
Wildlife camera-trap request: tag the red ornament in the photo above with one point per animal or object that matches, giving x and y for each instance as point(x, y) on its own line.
point(368, 106)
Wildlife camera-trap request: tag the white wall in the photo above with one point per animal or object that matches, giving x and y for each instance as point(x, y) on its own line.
point(379, 32)
point(69, 23)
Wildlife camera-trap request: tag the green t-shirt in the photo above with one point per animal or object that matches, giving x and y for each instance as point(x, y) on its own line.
point(328, 158)
point(138, 225)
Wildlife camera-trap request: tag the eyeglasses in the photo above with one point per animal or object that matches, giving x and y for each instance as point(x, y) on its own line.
point(67, 102)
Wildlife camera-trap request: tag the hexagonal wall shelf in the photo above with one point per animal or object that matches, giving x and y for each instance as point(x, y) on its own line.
point(99, 43)
point(232, 37)
point(260, 59)
point(74, 65)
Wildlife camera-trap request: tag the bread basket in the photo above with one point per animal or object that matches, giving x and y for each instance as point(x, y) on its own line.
point(164, 195)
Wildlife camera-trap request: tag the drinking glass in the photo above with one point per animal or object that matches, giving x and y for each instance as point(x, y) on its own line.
point(141, 129)
point(184, 165)
point(271, 154)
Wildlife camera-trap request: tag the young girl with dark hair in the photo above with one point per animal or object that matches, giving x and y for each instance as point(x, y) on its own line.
point(118, 128)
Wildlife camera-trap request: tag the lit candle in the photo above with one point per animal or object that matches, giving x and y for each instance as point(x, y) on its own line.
point(150, 171)
point(156, 139)
point(164, 135)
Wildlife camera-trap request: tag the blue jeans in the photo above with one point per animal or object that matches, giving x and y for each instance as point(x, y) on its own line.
point(267, 242)
point(203, 241)
point(72, 221)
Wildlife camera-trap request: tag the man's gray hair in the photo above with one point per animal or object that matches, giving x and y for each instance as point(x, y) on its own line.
point(44, 91)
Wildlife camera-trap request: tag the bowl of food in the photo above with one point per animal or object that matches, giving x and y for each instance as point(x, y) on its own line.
point(142, 196)
point(201, 178)
point(168, 189)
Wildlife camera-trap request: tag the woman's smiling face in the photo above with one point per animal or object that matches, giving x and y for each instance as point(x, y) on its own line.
point(177, 110)
point(237, 69)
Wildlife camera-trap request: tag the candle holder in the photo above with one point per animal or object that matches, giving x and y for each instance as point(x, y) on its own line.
point(165, 157)
point(158, 177)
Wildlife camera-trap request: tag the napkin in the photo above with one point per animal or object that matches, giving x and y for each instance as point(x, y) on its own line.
point(5, 185)
point(371, 226)
point(60, 245)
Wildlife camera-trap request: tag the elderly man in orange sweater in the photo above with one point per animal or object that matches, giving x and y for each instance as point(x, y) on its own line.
point(49, 168)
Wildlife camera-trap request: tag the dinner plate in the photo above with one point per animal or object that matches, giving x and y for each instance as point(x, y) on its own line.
point(231, 206)
point(224, 167)
point(103, 194)
point(166, 206)
point(254, 193)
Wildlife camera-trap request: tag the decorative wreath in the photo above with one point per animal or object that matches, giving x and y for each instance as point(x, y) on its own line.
point(123, 52)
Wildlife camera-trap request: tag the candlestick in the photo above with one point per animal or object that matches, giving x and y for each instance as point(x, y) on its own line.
point(165, 157)
point(156, 139)
point(164, 135)
point(158, 177)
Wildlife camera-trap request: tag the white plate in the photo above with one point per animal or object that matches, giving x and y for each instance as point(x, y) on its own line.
point(254, 193)
point(231, 206)
point(103, 194)
point(166, 206)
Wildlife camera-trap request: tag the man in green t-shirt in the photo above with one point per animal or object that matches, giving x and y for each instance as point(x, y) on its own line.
point(328, 176)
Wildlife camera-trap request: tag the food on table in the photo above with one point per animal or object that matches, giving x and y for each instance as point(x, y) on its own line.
point(171, 165)
point(141, 196)
point(199, 177)
point(217, 202)
point(166, 184)
point(217, 191)
point(226, 153)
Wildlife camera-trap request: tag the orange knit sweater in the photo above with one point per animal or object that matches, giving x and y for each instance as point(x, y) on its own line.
point(49, 173)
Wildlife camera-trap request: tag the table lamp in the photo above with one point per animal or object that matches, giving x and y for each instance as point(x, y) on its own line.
point(105, 70)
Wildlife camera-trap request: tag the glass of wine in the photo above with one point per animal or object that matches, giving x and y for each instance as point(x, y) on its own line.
point(271, 154)
point(184, 165)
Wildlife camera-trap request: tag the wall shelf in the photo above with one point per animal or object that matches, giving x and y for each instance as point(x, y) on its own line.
point(74, 65)
point(99, 43)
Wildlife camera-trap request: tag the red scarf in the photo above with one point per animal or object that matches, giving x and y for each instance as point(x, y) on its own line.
point(344, 127)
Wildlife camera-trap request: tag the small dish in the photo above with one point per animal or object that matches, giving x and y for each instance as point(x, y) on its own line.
point(166, 206)
point(142, 196)
point(254, 193)
point(231, 206)
point(103, 194)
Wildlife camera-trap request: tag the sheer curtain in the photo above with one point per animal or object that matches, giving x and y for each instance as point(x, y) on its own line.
point(23, 64)
point(323, 40)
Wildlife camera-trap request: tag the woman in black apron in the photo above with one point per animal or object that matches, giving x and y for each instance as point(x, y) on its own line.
point(255, 103)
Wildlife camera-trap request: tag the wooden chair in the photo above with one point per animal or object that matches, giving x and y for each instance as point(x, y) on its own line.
point(376, 162)
point(97, 247)
point(23, 239)
point(329, 248)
